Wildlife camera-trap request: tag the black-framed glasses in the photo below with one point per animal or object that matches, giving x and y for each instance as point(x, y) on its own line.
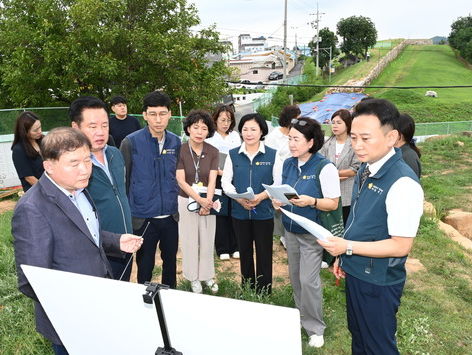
point(153, 115)
point(295, 121)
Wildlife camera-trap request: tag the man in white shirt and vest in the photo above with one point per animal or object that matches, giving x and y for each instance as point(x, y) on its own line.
point(387, 203)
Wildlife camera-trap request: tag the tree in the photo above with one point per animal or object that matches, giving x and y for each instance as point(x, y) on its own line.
point(460, 37)
point(358, 34)
point(328, 39)
point(52, 51)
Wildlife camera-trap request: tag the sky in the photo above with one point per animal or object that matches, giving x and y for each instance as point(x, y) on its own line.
point(392, 18)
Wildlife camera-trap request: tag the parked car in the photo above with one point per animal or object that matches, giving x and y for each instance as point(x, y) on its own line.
point(275, 75)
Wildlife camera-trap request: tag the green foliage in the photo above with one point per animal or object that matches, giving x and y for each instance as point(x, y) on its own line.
point(460, 37)
point(52, 51)
point(358, 34)
point(328, 39)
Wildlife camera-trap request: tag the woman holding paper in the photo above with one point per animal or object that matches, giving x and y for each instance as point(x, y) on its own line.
point(224, 139)
point(251, 165)
point(316, 181)
point(339, 150)
point(196, 171)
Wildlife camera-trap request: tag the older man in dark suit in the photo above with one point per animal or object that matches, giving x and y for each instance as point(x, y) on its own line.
point(55, 224)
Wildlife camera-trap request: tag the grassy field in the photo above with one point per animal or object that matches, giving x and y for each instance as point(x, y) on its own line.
point(422, 66)
point(361, 69)
point(434, 316)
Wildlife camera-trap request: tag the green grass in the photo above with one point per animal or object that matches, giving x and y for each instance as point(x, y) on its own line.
point(434, 317)
point(422, 66)
point(17, 327)
point(359, 70)
point(447, 173)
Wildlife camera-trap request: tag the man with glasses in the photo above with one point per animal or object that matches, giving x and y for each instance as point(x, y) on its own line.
point(151, 155)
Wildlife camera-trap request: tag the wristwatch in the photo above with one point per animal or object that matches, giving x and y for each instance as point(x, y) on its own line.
point(349, 248)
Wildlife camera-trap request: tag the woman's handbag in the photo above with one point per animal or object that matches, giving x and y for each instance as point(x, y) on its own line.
point(330, 220)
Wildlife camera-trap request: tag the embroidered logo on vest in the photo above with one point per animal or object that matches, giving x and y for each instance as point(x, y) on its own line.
point(375, 188)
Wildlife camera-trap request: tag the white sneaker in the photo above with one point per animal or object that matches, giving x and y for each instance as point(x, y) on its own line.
point(224, 257)
point(235, 255)
point(316, 341)
point(324, 265)
point(196, 286)
point(212, 285)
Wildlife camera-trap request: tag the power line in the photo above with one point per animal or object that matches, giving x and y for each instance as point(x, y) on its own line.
point(360, 86)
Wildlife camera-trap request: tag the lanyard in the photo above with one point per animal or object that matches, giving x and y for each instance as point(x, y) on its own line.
point(197, 164)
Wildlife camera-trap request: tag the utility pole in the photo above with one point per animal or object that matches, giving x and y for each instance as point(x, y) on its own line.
point(284, 62)
point(317, 24)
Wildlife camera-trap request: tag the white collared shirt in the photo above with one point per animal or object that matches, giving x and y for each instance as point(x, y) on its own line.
point(85, 208)
point(404, 202)
point(98, 163)
point(227, 178)
point(224, 144)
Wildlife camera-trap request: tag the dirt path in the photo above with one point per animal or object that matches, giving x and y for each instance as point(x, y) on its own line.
point(230, 268)
point(7, 205)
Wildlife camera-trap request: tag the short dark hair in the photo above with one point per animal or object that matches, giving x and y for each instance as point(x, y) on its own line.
point(259, 120)
point(156, 99)
point(310, 130)
point(406, 129)
point(229, 110)
point(115, 100)
point(79, 105)
point(196, 116)
point(23, 125)
point(346, 116)
point(288, 113)
point(383, 109)
point(60, 140)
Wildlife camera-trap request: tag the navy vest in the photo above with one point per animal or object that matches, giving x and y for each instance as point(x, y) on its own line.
point(368, 222)
point(153, 186)
point(305, 182)
point(110, 199)
point(254, 174)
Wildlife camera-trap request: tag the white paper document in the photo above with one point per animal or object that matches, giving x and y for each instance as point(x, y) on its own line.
point(249, 194)
point(278, 192)
point(313, 228)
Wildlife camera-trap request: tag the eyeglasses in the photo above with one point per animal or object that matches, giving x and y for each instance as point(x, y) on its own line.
point(153, 115)
point(224, 120)
point(298, 122)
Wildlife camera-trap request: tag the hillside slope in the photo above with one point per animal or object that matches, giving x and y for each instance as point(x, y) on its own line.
point(427, 65)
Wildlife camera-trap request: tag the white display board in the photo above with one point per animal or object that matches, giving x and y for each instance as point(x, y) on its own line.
point(8, 176)
point(101, 316)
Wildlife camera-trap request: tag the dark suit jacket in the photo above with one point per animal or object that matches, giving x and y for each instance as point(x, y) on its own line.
point(49, 232)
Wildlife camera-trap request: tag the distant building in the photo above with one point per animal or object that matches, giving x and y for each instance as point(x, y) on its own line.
point(257, 66)
point(248, 44)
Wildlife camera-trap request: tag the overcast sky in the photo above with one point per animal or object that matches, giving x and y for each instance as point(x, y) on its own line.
point(392, 18)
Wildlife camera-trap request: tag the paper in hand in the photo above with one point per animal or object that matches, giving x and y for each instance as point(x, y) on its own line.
point(312, 227)
point(278, 192)
point(249, 194)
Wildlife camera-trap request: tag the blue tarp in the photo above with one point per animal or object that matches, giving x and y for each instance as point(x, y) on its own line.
point(323, 110)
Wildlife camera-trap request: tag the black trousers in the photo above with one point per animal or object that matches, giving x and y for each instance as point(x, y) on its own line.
point(260, 234)
point(118, 266)
point(371, 316)
point(165, 232)
point(346, 211)
point(225, 238)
